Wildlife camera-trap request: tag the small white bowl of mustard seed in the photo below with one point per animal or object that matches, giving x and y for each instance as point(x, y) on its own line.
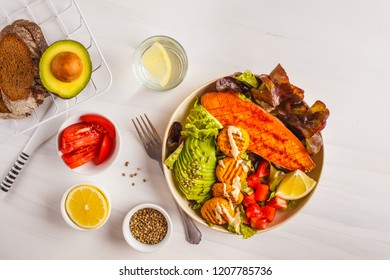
point(147, 227)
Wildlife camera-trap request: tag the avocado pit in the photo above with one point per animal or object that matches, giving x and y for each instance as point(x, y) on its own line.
point(66, 66)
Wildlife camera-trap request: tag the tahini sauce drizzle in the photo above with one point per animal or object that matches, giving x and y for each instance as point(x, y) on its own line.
point(233, 221)
point(243, 165)
point(230, 131)
point(236, 187)
point(226, 194)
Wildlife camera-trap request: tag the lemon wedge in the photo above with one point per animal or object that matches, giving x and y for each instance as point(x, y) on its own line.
point(157, 62)
point(87, 206)
point(295, 185)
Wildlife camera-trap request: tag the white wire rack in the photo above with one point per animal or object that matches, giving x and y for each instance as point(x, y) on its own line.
point(59, 20)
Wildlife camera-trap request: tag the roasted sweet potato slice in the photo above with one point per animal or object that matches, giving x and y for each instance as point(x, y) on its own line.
point(269, 137)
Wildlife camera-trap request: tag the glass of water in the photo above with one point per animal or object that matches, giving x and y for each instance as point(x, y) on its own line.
point(160, 63)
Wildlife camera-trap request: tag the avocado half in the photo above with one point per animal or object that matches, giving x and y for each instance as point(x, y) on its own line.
point(51, 64)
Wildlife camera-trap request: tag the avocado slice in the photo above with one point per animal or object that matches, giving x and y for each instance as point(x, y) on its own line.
point(65, 68)
point(194, 168)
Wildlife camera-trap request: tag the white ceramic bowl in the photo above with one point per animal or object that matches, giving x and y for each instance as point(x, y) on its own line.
point(65, 214)
point(133, 242)
point(91, 168)
point(180, 115)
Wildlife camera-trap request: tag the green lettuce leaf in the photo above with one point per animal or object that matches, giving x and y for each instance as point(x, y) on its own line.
point(200, 123)
point(247, 231)
point(275, 177)
point(248, 78)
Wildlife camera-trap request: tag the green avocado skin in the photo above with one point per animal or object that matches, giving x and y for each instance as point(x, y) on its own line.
point(195, 168)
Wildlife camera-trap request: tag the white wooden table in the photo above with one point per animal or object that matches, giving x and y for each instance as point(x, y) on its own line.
point(337, 51)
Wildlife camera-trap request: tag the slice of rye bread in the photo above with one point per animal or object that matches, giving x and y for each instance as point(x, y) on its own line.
point(17, 72)
point(6, 114)
point(36, 33)
point(24, 35)
point(31, 34)
point(39, 90)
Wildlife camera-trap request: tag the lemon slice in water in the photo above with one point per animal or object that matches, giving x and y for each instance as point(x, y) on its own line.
point(87, 206)
point(157, 62)
point(295, 185)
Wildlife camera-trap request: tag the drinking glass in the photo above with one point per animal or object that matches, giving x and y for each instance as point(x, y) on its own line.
point(177, 56)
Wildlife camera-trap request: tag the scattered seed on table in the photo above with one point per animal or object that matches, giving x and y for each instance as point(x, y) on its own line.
point(148, 226)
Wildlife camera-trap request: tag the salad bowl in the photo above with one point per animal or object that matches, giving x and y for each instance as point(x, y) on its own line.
point(179, 115)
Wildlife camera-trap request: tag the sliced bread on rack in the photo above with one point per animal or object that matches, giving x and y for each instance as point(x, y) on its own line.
point(16, 75)
point(21, 46)
point(36, 33)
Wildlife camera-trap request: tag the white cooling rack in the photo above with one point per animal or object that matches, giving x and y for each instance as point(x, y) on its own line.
point(59, 20)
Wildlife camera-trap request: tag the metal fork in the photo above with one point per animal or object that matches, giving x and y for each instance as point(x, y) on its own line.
point(153, 147)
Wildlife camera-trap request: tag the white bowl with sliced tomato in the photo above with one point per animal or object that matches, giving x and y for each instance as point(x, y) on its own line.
point(88, 142)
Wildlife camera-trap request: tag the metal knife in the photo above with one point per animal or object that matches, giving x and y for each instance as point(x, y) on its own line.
point(41, 134)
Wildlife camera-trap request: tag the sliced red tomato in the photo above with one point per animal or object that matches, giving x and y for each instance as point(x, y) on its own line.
point(100, 123)
point(263, 169)
point(277, 203)
point(81, 156)
point(253, 180)
point(77, 130)
point(261, 192)
point(93, 138)
point(105, 148)
point(259, 223)
point(257, 216)
point(248, 200)
point(77, 136)
point(268, 212)
point(253, 210)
